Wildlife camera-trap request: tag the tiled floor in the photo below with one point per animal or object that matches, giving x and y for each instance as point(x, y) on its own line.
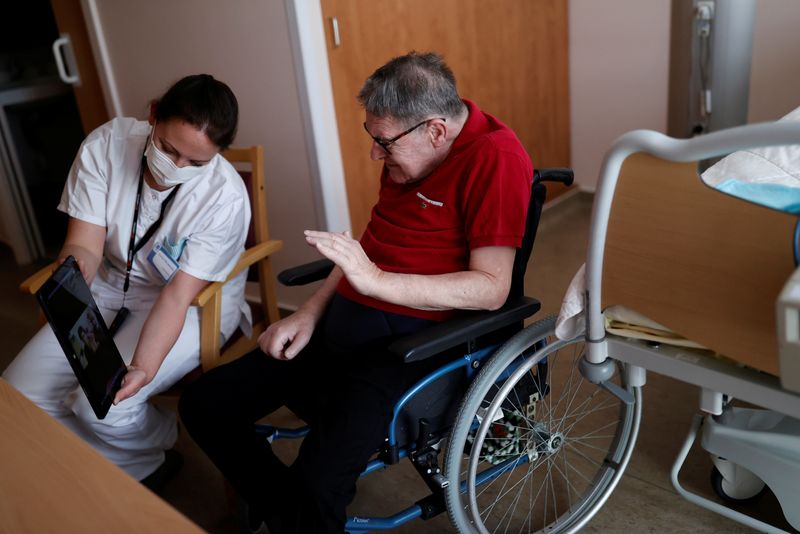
point(644, 501)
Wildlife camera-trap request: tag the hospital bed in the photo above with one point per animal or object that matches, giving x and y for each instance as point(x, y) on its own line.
point(709, 268)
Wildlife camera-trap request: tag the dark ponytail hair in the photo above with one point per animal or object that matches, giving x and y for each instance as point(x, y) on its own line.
point(203, 102)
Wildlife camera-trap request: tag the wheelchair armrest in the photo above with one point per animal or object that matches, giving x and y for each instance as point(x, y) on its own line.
point(306, 273)
point(557, 174)
point(451, 333)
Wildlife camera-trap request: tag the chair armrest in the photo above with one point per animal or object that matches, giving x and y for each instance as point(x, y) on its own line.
point(306, 273)
point(32, 284)
point(248, 258)
point(453, 332)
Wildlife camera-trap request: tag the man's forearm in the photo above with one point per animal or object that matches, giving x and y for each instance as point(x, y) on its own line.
point(483, 285)
point(316, 304)
point(466, 290)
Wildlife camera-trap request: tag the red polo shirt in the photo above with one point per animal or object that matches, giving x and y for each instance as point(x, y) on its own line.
point(477, 197)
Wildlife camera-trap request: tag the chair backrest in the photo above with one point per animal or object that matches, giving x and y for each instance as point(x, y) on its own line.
point(249, 161)
point(521, 258)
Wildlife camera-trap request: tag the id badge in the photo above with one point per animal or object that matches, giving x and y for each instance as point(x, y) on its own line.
point(163, 262)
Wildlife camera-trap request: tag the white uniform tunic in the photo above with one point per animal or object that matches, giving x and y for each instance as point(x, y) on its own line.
point(203, 229)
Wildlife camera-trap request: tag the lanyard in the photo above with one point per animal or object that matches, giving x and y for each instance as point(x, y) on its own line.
point(134, 247)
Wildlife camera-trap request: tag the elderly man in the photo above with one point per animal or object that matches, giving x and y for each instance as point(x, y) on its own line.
point(454, 192)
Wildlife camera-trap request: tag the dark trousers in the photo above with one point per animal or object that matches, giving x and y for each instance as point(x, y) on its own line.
point(344, 384)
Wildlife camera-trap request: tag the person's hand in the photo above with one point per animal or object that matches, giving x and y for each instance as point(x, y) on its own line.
point(284, 339)
point(134, 380)
point(347, 253)
point(80, 261)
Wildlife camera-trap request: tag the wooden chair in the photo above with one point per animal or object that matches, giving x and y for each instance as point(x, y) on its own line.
point(250, 164)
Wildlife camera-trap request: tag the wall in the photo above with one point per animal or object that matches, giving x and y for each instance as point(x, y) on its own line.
point(619, 55)
point(245, 43)
point(775, 73)
point(619, 66)
point(619, 63)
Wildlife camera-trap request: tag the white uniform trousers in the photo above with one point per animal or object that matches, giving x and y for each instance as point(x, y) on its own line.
point(135, 433)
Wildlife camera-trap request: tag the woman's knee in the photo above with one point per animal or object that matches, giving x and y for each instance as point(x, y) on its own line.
point(41, 372)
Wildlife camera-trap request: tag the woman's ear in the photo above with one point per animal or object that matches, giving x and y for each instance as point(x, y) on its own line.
point(151, 117)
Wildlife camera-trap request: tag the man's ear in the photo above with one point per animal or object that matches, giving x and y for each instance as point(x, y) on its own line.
point(437, 129)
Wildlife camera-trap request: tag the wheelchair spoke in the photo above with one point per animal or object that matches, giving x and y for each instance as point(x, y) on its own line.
point(609, 402)
point(503, 492)
point(593, 433)
point(594, 447)
point(554, 421)
point(565, 476)
point(582, 455)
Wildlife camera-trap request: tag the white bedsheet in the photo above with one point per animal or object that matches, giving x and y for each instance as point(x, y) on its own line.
point(619, 320)
point(769, 176)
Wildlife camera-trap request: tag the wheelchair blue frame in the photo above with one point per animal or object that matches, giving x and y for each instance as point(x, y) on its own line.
point(470, 363)
point(517, 308)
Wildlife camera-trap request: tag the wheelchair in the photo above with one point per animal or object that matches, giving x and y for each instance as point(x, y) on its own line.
point(528, 444)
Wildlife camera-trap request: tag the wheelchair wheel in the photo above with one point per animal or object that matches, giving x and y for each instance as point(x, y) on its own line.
point(535, 447)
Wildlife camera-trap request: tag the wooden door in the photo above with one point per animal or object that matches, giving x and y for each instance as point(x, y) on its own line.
point(509, 56)
point(88, 94)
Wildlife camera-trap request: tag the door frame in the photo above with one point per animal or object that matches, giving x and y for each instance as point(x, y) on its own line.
point(312, 70)
point(105, 71)
point(310, 57)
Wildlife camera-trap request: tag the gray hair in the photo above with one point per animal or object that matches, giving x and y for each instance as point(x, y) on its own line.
point(412, 88)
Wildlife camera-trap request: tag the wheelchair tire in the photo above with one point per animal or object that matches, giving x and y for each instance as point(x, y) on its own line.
point(549, 463)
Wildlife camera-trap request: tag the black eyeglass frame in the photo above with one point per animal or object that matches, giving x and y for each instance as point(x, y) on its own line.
point(386, 143)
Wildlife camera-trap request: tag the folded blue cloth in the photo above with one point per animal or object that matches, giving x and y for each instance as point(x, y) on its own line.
point(776, 196)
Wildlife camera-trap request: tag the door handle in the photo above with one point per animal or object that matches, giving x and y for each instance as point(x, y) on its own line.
point(65, 60)
point(335, 27)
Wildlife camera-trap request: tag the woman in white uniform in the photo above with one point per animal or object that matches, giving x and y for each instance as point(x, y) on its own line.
point(164, 179)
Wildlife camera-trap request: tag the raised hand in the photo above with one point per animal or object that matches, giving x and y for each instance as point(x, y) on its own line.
point(347, 253)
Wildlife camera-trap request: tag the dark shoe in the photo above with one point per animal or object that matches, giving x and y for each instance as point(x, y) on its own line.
point(250, 521)
point(155, 481)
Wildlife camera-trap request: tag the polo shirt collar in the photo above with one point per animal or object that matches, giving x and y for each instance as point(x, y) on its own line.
point(475, 126)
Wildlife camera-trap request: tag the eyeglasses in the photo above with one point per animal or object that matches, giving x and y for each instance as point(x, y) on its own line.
point(386, 143)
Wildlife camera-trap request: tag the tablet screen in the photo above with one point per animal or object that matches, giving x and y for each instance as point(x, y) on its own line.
point(75, 318)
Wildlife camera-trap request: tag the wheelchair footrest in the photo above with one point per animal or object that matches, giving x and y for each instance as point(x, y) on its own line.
point(426, 462)
point(432, 505)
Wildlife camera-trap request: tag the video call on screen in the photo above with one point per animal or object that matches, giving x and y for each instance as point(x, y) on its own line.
point(78, 318)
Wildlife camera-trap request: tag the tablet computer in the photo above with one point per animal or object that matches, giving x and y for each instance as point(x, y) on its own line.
point(75, 318)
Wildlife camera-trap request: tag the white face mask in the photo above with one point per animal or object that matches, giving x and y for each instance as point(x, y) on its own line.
point(164, 170)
